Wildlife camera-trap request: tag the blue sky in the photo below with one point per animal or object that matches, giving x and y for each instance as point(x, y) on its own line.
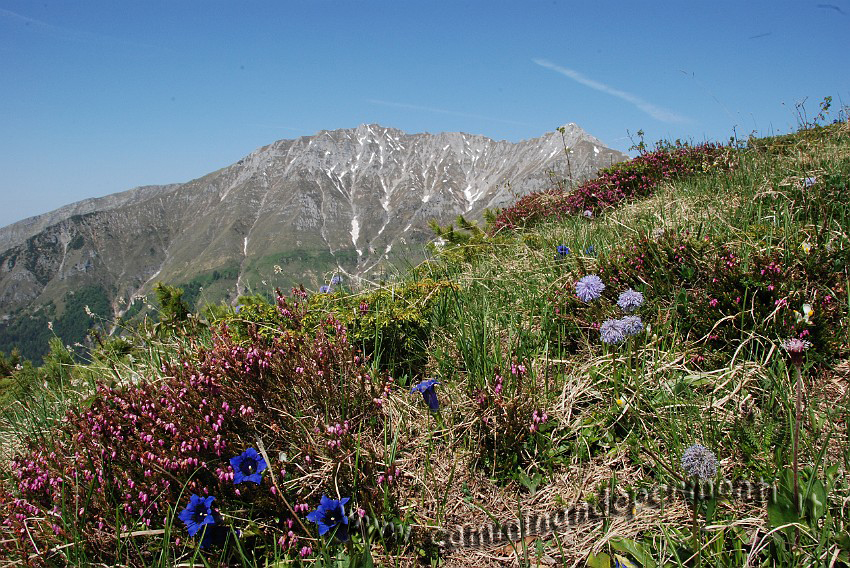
point(102, 96)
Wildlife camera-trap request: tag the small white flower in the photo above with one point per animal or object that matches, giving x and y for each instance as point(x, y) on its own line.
point(806, 315)
point(807, 247)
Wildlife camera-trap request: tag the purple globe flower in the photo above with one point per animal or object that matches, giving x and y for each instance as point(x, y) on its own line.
point(329, 515)
point(324, 289)
point(248, 466)
point(631, 325)
point(700, 462)
point(630, 300)
point(589, 288)
point(612, 332)
point(337, 279)
point(197, 513)
point(426, 387)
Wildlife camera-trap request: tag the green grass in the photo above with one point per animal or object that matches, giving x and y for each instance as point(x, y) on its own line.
point(496, 320)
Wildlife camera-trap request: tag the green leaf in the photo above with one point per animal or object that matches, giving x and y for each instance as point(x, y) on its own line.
point(600, 560)
point(817, 499)
point(780, 511)
point(635, 549)
point(710, 509)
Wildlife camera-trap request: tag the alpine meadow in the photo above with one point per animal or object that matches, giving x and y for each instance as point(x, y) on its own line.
point(644, 365)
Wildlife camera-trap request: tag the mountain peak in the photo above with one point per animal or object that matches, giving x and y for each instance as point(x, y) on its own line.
point(343, 200)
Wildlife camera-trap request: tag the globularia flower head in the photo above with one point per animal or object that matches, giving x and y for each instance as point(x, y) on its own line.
point(324, 289)
point(809, 181)
point(337, 279)
point(589, 288)
point(426, 387)
point(331, 514)
point(795, 348)
point(630, 300)
point(700, 462)
point(197, 513)
point(563, 250)
point(612, 332)
point(248, 466)
point(631, 325)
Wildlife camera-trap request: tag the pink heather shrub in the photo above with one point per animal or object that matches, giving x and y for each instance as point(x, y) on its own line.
point(141, 450)
point(627, 180)
point(710, 285)
point(507, 419)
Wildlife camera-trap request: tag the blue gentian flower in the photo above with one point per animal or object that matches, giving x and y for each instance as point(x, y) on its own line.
point(563, 250)
point(631, 325)
point(630, 300)
point(612, 332)
point(198, 513)
point(248, 466)
point(590, 250)
point(589, 288)
point(214, 535)
point(329, 515)
point(426, 387)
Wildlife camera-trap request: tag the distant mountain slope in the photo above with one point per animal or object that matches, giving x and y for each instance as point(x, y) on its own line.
point(344, 200)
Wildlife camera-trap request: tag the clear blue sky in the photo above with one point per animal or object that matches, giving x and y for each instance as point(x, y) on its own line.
point(102, 96)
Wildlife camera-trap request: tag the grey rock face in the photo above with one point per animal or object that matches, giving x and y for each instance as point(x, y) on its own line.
point(340, 199)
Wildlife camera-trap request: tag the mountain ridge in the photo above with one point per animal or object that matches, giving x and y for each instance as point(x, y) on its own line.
point(341, 200)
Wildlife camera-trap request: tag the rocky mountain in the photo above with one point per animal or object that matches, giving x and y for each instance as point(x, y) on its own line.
point(343, 201)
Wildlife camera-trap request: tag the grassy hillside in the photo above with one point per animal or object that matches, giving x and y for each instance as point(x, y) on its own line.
point(650, 370)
